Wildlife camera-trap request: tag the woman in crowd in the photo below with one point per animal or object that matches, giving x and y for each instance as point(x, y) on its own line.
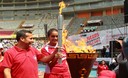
point(102, 66)
point(103, 71)
point(1, 59)
point(53, 68)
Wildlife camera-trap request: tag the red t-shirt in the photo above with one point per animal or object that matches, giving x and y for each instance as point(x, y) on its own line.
point(56, 69)
point(102, 67)
point(23, 63)
point(1, 70)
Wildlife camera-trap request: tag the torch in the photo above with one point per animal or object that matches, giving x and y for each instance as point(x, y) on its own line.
point(60, 26)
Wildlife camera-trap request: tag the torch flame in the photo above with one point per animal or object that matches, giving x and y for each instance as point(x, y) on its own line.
point(79, 47)
point(62, 5)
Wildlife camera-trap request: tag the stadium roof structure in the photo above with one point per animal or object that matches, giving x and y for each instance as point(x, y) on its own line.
point(17, 0)
point(71, 5)
point(24, 0)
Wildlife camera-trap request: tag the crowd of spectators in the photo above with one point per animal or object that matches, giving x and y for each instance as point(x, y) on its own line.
point(7, 43)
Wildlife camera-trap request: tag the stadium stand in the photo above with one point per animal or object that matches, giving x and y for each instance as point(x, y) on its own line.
point(9, 24)
point(109, 22)
point(75, 25)
point(15, 13)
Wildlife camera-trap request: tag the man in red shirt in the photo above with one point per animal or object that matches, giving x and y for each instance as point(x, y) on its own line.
point(1, 60)
point(20, 61)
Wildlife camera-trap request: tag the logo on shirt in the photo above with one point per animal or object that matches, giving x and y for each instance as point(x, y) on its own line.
point(34, 57)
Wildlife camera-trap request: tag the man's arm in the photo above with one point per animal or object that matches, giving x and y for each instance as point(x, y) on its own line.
point(7, 73)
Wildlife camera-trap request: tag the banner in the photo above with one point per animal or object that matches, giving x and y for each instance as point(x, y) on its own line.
point(98, 39)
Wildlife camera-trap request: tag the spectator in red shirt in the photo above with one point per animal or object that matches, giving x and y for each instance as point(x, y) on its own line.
point(1, 60)
point(20, 61)
point(53, 68)
point(102, 66)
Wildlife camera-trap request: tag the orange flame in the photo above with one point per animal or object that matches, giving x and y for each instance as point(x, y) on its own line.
point(79, 47)
point(62, 5)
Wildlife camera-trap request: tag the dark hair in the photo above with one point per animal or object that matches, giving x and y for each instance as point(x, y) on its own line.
point(121, 38)
point(50, 31)
point(102, 61)
point(21, 33)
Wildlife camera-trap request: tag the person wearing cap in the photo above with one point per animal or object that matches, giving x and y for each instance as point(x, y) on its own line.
point(120, 57)
point(1, 60)
point(123, 65)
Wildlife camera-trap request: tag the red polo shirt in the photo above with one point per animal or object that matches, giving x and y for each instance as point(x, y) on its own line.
point(56, 70)
point(101, 67)
point(1, 70)
point(23, 63)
